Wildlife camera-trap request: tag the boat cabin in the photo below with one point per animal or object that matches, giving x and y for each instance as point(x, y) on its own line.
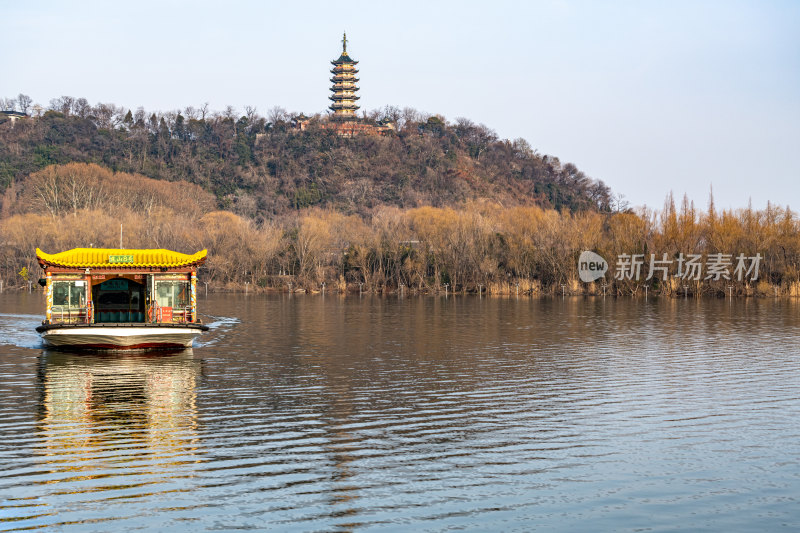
point(120, 286)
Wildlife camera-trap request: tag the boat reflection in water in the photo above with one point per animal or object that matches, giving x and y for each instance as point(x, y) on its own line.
point(115, 427)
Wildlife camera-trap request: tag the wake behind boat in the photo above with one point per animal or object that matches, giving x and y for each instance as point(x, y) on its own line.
point(119, 299)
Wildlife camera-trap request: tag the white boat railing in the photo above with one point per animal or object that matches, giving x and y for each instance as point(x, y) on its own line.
point(80, 315)
point(183, 313)
point(70, 315)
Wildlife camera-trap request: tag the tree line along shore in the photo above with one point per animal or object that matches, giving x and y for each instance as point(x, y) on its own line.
point(479, 245)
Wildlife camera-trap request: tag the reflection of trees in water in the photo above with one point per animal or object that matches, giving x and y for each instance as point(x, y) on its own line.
point(412, 377)
point(343, 448)
point(103, 415)
point(315, 382)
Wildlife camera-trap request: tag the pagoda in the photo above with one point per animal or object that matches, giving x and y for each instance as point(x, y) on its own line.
point(344, 87)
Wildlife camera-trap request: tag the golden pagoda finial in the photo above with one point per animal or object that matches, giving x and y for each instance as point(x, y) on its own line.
point(344, 43)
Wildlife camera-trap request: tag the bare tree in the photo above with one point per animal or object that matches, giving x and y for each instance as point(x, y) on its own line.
point(68, 188)
point(277, 114)
point(24, 102)
point(139, 117)
point(391, 112)
point(82, 108)
point(104, 115)
point(63, 104)
point(8, 104)
point(251, 113)
point(463, 126)
point(619, 204)
point(230, 112)
point(408, 116)
point(172, 118)
point(522, 149)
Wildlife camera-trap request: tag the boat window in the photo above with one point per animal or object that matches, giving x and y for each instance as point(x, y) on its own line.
point(173, 294)
point(69, 293)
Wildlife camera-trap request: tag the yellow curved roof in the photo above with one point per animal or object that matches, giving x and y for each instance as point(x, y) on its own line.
point(115, 258)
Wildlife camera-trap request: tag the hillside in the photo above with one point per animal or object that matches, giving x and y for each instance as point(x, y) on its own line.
point(260, 167)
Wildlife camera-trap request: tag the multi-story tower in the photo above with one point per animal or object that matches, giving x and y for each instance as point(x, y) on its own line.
point(344, 86)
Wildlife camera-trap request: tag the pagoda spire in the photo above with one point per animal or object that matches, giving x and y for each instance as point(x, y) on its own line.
point(344, 86)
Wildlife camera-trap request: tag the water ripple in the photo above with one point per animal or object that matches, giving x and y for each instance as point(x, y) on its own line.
point(319, 414)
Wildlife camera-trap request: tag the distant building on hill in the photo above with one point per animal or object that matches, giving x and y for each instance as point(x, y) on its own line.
point(344, 119)
point(301, 122)
point(13, 116)
point(344, 86)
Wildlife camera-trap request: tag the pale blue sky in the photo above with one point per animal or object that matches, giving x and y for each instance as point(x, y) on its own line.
point(647, 96)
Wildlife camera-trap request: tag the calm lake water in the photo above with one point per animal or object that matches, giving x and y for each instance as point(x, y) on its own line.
point(312, 413)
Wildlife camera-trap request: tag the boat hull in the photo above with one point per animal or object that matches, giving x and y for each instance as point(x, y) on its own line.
point(133, 337)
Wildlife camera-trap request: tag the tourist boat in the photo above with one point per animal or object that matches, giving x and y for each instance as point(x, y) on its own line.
point(119, 299)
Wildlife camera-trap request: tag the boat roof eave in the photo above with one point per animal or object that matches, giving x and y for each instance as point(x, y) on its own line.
point(57, 269)
point(119, 260)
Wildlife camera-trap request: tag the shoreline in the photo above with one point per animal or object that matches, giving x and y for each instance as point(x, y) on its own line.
point(488, 291)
